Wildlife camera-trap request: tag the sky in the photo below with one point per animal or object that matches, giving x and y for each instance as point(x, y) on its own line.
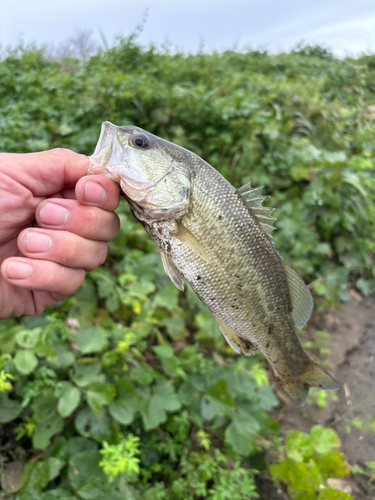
point(343, 26)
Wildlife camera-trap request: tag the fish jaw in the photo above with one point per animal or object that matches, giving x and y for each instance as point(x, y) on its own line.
point(157, 186)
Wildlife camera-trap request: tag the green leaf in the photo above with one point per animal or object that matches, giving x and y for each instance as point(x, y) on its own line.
point(219, 392)
point(45, 430)
point(100, 394)
point(333, 494)
point(324, 439)
point(85, 373)
point(69, 398)
point(25, 362)
point(163, 351)
point(9, 409)
point(92, 340)
point(165, 396)
point(28, 339)
point(44, 407)
point(58, 494)
point(62, 359)
point(78, 443)
point(167, 298)
point(240, 434)
point(36, 476)
point(153, 415)
point(92, 424)
point(128, 402)
point(141, 289)
point(332, 464)
point(175, 325)
point(86, 477)
point(299, 445)
point(163, 399)
point(300, 476)
point(211, 407)
point(143, 374)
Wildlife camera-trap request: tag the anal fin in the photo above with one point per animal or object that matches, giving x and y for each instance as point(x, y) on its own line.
point(172, 271)
point(238, 344)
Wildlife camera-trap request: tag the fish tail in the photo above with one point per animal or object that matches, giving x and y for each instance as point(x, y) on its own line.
point(297, 388)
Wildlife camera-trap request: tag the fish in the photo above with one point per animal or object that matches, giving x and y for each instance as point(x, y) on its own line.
point(218, 239)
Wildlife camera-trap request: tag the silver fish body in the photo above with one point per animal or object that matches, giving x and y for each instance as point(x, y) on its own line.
point(216, 238)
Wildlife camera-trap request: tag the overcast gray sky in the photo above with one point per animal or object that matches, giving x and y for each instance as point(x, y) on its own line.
point(345, 26)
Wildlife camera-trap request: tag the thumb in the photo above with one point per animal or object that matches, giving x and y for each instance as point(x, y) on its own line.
point(47, 172)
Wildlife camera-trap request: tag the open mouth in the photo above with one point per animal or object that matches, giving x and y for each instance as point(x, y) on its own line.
point(111, 159)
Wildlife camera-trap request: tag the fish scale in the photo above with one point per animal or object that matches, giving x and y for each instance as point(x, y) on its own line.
point(217, 238)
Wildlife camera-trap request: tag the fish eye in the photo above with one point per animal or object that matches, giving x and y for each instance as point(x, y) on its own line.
point(139, 141)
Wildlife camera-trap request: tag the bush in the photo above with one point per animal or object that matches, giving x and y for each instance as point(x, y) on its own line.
point(130, 379)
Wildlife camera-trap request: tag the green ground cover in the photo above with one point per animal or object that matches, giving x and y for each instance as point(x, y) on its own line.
point(127, 389)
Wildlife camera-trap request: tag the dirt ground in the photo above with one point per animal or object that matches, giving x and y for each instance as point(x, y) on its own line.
point(352, 362)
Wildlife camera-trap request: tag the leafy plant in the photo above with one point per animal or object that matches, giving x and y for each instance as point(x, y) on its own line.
point(129, 377)
point(308, 461)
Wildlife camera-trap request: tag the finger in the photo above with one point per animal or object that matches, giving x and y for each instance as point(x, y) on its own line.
point(42, 275)
point(69, 215)
point(98, 190)
point(62, 247)
point(48, 171)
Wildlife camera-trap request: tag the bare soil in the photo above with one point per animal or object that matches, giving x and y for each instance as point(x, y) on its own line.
point(351, 361)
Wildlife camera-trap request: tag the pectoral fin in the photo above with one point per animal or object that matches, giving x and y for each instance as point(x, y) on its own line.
point(237, 343)
point(187, 238)
point(172, 271)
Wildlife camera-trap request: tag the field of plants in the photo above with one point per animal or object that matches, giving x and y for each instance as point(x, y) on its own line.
point(128, 390)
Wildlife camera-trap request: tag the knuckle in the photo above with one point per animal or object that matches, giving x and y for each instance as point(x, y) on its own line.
point(74, 250)
point(62, 152)
point(92, 220)
point(65, 280)
point(116, 225)
point(103, 253)
point(97, 255)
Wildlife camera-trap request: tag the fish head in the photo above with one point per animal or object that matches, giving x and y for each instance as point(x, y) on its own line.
point(151, 172)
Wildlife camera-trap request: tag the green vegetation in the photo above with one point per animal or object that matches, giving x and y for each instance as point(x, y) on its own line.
point(127, 389)
point(308, 462)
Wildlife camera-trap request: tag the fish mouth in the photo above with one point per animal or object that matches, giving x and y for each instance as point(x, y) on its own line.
point(109, 160)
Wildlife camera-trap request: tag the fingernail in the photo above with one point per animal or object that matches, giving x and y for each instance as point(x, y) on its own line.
point(53, 214)
point(37, 242)
point(18, 270)
point(94, 192)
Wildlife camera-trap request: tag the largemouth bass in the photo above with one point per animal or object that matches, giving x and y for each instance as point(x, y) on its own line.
point(217, 238)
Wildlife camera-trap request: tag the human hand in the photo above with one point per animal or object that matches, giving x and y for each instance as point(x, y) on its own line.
point(54, 222)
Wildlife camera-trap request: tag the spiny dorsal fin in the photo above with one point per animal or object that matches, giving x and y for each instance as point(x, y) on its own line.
point(302, 301)
point(254, 199)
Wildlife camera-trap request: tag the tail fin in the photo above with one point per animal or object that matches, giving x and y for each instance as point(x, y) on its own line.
point(298, 388)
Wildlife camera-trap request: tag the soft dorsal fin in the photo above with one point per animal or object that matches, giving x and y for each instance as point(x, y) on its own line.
point(254, 199)
point(172, 271)
point(302, 301)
